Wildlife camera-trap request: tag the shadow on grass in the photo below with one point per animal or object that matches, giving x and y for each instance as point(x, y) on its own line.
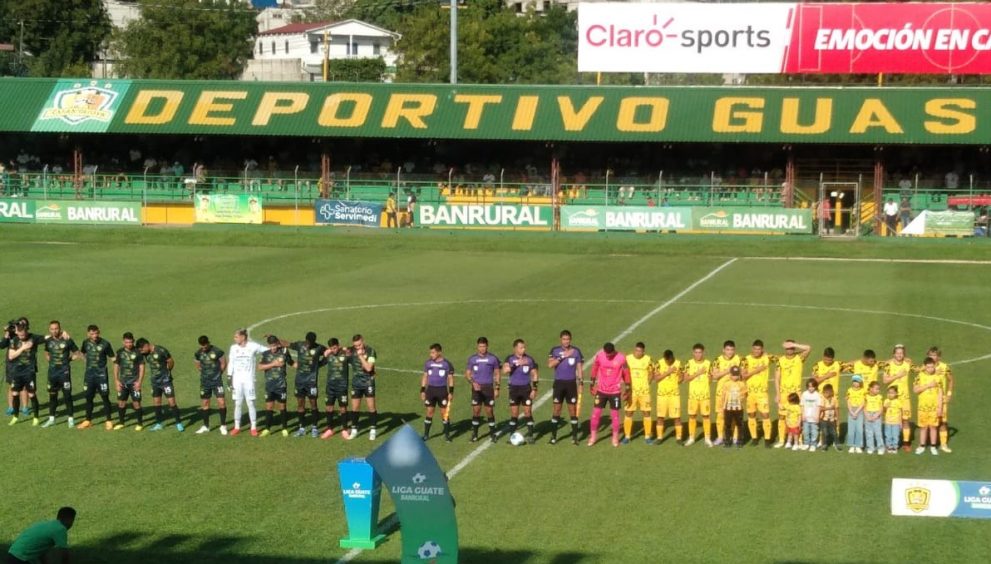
point(139, 548)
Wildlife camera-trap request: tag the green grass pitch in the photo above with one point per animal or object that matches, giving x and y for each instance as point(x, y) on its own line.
point(170, 497)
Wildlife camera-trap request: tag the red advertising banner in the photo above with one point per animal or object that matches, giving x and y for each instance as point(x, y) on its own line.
point(790, 38)
point(917, 38)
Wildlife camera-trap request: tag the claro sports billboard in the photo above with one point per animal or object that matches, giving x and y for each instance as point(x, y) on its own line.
point(791, 38)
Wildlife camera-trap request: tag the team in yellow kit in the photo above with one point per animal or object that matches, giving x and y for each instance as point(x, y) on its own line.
point(641, 374)
point(932, 382)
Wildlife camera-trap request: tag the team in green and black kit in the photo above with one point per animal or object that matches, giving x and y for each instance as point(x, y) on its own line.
point(159, 364)
point(22, 359)
point(309, 358)
point(275, 362)
point(337, 387)
point(60, 350)
point(361, 363)
point(96, 350)
point(211, 363)
point(129, 373)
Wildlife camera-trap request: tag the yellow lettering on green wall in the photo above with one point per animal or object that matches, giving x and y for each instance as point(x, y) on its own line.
point(208, 105)
point(138, 114)
point(952, 121)
point(332, 105)
point(476, 106)
point(736, 115)
point(576, 120)
point(526, 112)
point(873, 113)
point(420, 106)
point(821, 120)
point(626, 120)
point(279, 103)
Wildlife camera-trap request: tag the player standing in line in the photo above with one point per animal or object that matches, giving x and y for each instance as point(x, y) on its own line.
point(309, 358)
point(755, 371)
point(669, 376)
point(274, 361)
point(699, 395)
point(946, 385)
point(930, 394)
point(483, 374)
point(336, 359)
point(609, 374)
point(211, 364)
point(60, 349)
point(827, 371)
point(896, 373)
point(787, 381)
point(721, 375)
point(641, 373)
point(96, 350)
point(523, 377)
point(362, 368)
point(241, 371)
point(159, 363)
point(867, 368)
point(4, 345)
point(129, 373)
point(23, 356)
point(436, 389)
point(568, 365)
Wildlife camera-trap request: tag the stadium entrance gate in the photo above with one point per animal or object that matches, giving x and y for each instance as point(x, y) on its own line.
point(843, 219)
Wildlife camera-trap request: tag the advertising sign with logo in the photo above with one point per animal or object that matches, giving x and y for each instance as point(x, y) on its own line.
point(229, 208)
point(83, 106)
point(340, 212)
point(625, 218)
point(485, 216)
point(93, 213)
point(940, 498)
point(952, 223)
point(911, 38)
point(741, 220)
point(16, 210)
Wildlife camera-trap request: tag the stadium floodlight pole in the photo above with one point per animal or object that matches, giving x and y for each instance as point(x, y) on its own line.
point(454, 41)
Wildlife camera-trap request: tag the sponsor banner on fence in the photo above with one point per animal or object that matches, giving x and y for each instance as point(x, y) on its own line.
point(742, 220)
point(484, 216)
point(229, 208)
point(949, 223)
point(16, 210)
point(940, 498)
point(340, 212)
point(90, 212)
point(911, 38)
point(625, 218)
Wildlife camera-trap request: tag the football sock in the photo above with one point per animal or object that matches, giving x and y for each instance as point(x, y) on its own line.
point(648, 427)
point(574, 428)
point(373, 418)
point(707, 427)
point(752, 427)
point(766, 424)
point(89, 408)
point(315, 416)
point(176, 415)
point(529, 426)
point(720, 424)
point(206, 416)
point(906, 436)
point(67, 395)
point(492, 425)
point(35, 407)
point(678, 429)
point(427, 422)
point(285, 419)
point(353, 419)
point(330, 418)
point(301, 415)
point(52, 404)
point(554, 424)
point(614, 417)
point(158, 414)
point(268, 418)
point(141, 415)
point(447, 428)
point(596, 419)
point(693, 425)
point(223, 416)
point(15, 402)
point(106, 405)
point(120, 414)
point(627, 426)
point(512, 424)
point(781, 431)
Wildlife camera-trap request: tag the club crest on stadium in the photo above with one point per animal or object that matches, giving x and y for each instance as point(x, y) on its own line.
point(82, 103)
point(917, 499)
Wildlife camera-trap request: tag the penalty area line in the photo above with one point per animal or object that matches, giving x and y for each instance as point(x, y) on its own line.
point(474, 454)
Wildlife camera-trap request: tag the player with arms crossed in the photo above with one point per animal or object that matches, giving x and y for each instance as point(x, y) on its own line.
point(523, 377)
point(60, 349)
point(568, 365)
point(336, 359)
point(483, 373)
point(96, 350)
point(755, 371)
point(669, 376)
point(787, 381)
point(609, 375)
point(211, 364)
point(362, 368)
point(436, 389)
point(721, 376)
point(129, 373)
point(160, 363)
point(641, 367)
point(699, 395)
point(896, 373)
point(946, 383)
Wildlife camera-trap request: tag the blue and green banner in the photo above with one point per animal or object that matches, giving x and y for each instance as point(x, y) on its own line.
point(341, 212)
point(422, 499)
point(85, 106)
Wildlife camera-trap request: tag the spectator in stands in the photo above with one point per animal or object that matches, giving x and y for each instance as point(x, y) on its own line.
point(951, 180)
point(905, 184)
point(650, 202)
point(891, 216)
point(905, 208)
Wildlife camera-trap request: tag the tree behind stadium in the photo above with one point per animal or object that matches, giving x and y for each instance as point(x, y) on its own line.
point(52, 37)
point(187, 39)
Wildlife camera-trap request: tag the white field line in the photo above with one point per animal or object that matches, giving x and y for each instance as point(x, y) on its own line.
point(471, 456)
point(876, 260)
